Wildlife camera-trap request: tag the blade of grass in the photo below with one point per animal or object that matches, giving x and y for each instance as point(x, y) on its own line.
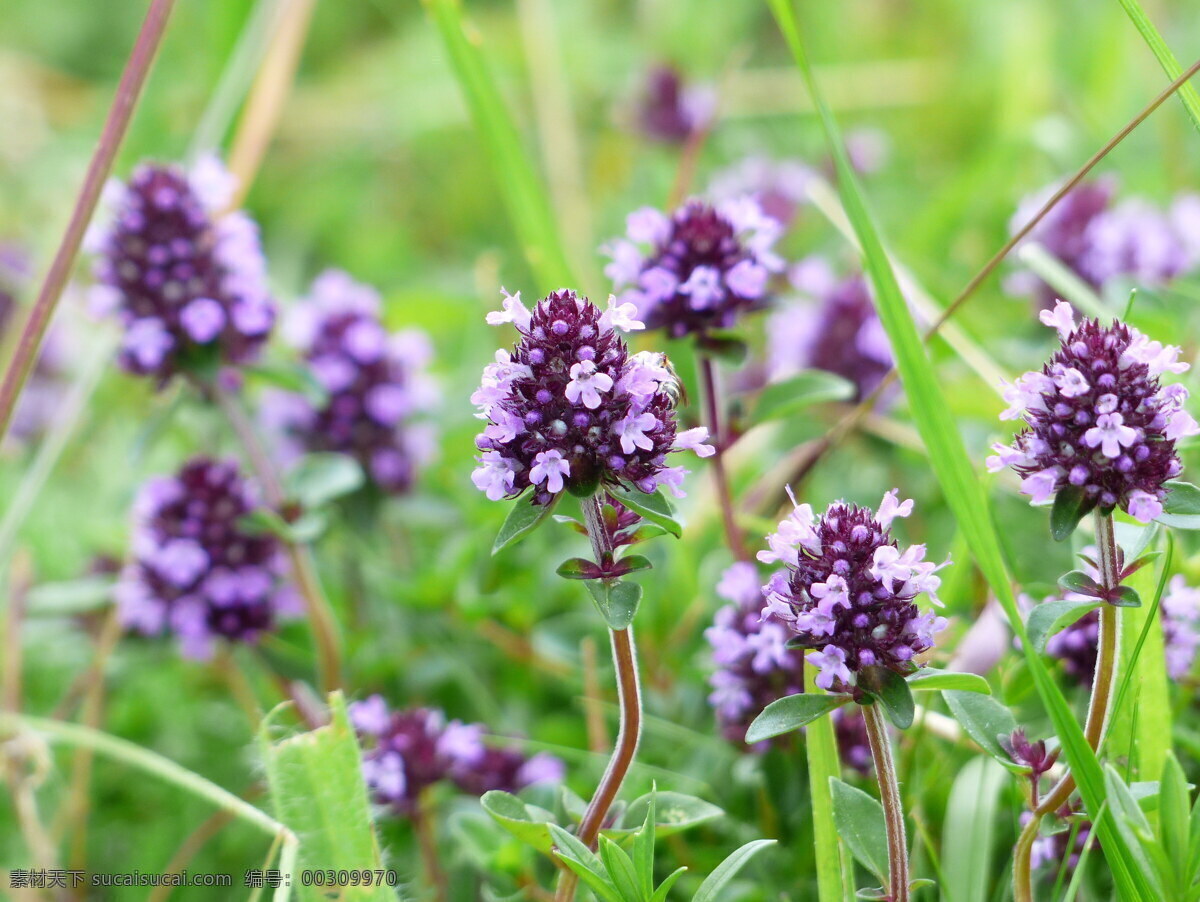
point(960, 484)
point(835, 874)
point(1187, 94)
point(524, 194)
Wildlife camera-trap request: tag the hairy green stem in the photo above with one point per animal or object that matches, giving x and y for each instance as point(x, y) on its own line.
point(889, 797)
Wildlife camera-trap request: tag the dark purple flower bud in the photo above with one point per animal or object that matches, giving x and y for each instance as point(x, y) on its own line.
point(571, 408)
point(848, 592)
point(375, 381)
point(196, 571)
point(1097, 418)
point(698, 270)
point(670, 111)
point(187, 279)
point(1032, 755)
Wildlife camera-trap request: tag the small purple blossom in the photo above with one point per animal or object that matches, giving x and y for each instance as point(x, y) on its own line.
point(698, 269)
point(848, 592)
point(187, 279)
point(406, 752)
point(196, 572)
point(1181, 626)
point(571, 408)
point(376, 382)
point(672, 111)
point(1098, 419)
point(854, 745)
point(780, 187)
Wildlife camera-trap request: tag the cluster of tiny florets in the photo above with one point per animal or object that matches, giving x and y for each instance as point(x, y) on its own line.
point(196, 571)
point(671, 110)
point(849, 592)
point(406, 752)
point(698, 269)
point(843, 335)
point(187, 279)
point(1098, 419)
point(571, 408)
point(1100, 241)
point(375, 382)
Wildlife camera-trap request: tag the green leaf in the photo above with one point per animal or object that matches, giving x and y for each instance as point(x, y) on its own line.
point(70, 598)
point(710, 889)
point(969, 831)
point(780, 400)
point(927, 678)
point(528, 824)
point(320, 478)
point(890, 690)
point(861, 825)
point(525, 196)
point(1181, 507)
point(1125, 597)
point(578, 568)
point(654, 506)
point(1078, 581)
point(1187, 94)
point(616, 600)
point(1131, 822)
point(643, 850)
point(620, 870)
point(580, 859)
point(633, 563)
point(660, 894)
point(316, 786)
point(1173, 821)
point(835, 870)
point(293, 377)
point(961, 488)
point(308, 527)
point(1050, 617)
point(675, 812)
point(790, 713)
point(725, 346)
point(523, 519)
point(1071, 505)
point(984, 719)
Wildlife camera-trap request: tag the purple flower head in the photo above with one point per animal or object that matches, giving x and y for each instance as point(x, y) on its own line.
point(1097, 418)
point(849, 593)
point(844, 336)
point(571, 408)
point(375, 381)
point(406, 752)
point(780, 187)
point(187, 280)
point(698, 269)
point(1181, 626)
point(671, 111)
point(196, 572)
point(754, 665)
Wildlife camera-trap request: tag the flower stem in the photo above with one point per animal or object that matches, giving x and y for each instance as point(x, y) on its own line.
point(1103, 681)
point(629, 696)
point(427, 839)
point(889, 796)
point(115, 126)
point(724, 497)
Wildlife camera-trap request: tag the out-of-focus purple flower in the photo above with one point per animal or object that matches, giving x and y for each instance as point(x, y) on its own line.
point(854, 745)
point(848, 591)
point(670, 110)
point(754, 665)
point(1098, 419)
point(1181, 626)
point(780, 187)
point(406, 752)
point(571, 408)
point(843, 335)
point(376, 384)
point(1077, 647)
point(698, 269)
point(1101, 241)
point(195, 571)
point(187, 280)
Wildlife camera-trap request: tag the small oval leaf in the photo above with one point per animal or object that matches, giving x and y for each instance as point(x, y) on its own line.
point(654, 506)
point(927, 679)
point(891, 690)
point(1050, 617)
point(617, 601)
point(860, 823)
point(523, 519)
point(784, 399)
point(792, 712)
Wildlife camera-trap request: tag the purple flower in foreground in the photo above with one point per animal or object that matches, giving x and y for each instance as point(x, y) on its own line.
point(1097, 418)
point(196, 572)
point(406, 752)
point(848, 591)
point(187, 280)
point(375, 380)
point(698, 269)
point(571, 408)
point(671, 111)
point(754, 665)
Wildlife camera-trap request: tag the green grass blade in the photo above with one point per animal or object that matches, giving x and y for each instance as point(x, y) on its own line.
point(518, 181)
point(1162, 53)
point(954, 471)
point(969, 833)
point(835, 874)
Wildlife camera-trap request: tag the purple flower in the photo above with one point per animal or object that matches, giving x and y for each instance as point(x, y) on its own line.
point(196, 572)
point(780, 187)
point(187, 280)
point(1181, 626)
point(854, 745)
point(571, 408)
point(376, 383)
point(848, 591)
point(406, 752)
point(670, 111)
point(697, 270)
point(1098, 419)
